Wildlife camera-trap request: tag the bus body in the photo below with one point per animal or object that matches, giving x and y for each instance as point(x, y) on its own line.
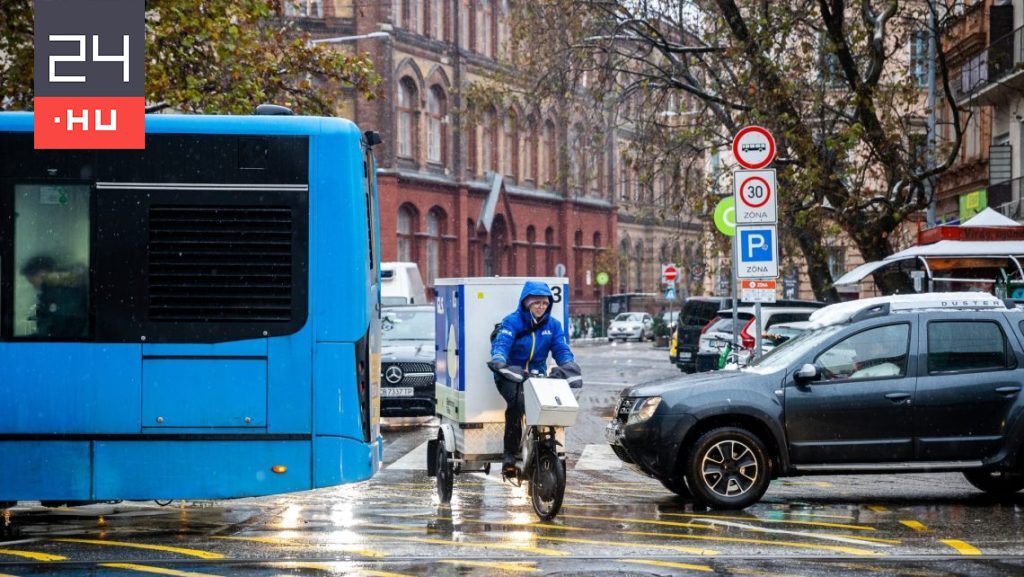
point(194, 320)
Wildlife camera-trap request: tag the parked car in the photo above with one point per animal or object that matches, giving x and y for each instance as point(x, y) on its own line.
point(696, 313)
point(907, 383)
point(631, 325)
point(718, 332)
point(781, 333)
point(407, 361)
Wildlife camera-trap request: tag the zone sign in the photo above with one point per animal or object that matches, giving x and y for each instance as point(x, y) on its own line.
point(756, 198)
point(753, 147)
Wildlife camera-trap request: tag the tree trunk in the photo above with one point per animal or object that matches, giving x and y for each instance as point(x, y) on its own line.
point(872, 241)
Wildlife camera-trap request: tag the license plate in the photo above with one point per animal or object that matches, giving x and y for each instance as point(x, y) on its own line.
point(685, 355)
point(396, 391)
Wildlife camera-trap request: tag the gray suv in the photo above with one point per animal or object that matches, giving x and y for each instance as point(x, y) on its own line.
point(908, 383)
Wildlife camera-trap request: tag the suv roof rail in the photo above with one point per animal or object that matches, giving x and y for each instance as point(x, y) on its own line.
point(857, 310)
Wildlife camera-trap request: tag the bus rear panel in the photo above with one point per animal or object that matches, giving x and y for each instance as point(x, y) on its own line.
point(188, 320)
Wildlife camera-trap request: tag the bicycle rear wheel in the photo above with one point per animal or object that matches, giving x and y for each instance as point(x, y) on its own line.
point(547, 483)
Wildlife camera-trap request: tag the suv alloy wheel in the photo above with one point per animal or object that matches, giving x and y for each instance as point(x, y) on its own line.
point(728, 468)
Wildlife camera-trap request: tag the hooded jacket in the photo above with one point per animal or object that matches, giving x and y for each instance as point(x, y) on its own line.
point(524, 342)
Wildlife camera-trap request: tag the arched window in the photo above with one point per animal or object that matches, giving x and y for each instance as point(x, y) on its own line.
point(510, 150)
point(407, 104)
point(638, 255)
point(437, 20)
point(531, 251)
point(624, 263)
point(485, 28)
point(488, 159)
point(529, 148)
point(549, 251)
point(577, 261)
point(474, 248)
point(437, 137)
point(436, 228)
point(549, 155)
point(406, 232)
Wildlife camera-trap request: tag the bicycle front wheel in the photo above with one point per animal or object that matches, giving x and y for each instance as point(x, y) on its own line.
point(547, 483)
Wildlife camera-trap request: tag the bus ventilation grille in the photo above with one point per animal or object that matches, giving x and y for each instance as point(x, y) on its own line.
point(220, 263)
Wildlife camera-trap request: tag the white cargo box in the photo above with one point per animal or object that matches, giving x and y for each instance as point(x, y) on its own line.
point(549, 402)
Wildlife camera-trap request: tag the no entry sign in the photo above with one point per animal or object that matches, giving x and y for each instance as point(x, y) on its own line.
point(756, 198)
point(753, 147)
point(669, 273)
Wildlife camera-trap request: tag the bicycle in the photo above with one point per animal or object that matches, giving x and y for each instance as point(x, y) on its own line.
point(730, 357)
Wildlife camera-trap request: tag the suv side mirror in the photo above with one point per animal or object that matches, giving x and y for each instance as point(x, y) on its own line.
point(806, 374)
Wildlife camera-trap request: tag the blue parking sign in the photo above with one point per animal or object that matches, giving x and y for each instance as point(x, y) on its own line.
point(756, 252)
point(757, 245)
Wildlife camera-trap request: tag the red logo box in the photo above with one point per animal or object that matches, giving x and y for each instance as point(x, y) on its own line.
point(86, 122)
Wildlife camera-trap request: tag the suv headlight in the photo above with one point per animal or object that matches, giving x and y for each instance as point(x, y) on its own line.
point(643, 410)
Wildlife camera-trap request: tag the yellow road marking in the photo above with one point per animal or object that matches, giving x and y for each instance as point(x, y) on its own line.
point(915, 525)
point(178, 550)
point(877, 509)
point(769, 520)
point(156, 570)
point(961, 547)
point(723, 517)
point(32, 555)
point(526, 548)
point(333, 568)
point(506, 566)
point(7, 575)
point(837, 548)
point(823, 484)
point(669, 564)
point(289, 543)
point(694, 550)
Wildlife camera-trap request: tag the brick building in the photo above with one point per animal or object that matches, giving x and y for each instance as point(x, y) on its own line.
point(439, 164)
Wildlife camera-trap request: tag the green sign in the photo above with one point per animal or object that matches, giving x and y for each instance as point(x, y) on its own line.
point(601, 278)
point(725, 216)
point(972, 203)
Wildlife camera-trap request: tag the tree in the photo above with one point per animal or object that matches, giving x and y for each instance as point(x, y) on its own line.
point(210, 56)
point(830, 79)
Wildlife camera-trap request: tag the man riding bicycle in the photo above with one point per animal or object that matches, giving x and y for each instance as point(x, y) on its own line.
point(520, 347)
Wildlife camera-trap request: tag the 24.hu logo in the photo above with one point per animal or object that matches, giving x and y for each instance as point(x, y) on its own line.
point(89, 62)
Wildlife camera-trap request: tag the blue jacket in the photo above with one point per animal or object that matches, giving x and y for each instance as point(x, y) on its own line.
point(532, 346)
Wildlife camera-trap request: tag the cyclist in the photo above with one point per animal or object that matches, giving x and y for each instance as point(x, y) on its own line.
point(521, 346)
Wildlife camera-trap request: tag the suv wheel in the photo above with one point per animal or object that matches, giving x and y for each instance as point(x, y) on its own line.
point(728, 468)
point(995, 482)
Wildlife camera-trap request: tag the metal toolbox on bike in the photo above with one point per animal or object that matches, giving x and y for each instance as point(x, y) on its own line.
point(549, 402)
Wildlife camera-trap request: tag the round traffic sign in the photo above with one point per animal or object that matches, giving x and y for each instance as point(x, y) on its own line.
point(755, 192)
point(601, 278)
point(670, 273)
point(725, 216)
point(753, 147)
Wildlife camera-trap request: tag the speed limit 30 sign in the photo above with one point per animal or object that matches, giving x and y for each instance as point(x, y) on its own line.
point(756, 198)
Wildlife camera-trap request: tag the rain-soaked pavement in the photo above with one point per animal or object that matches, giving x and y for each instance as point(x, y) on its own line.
point(614, 521)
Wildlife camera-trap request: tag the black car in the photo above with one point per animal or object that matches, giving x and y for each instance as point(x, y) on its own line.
point(407, 361)
point(696, 313)
point(908, 383)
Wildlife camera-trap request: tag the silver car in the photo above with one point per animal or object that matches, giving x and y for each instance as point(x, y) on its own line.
point(631, 325)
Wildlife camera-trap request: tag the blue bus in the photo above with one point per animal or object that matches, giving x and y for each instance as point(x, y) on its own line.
point(195, 320)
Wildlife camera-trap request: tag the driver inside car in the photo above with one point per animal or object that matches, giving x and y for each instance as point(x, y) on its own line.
point(520, 347)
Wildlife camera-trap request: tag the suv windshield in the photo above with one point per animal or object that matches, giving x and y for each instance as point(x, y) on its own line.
point(407, 325)
point(787, 353)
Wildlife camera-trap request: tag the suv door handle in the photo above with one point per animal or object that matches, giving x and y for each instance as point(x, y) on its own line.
point(898, 397)
point(1008, 390)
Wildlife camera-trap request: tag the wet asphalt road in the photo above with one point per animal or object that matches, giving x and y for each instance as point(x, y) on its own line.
point(614, 522)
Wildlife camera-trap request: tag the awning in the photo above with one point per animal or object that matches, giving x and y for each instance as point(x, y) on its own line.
point(1012, 250)
point(856, 275)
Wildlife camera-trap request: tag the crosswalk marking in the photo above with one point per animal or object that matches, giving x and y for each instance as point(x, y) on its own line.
point(595, 457)
point(414, 460)
point(598, 458)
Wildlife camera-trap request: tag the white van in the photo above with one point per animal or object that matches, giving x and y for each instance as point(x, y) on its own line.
point(401, 284)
